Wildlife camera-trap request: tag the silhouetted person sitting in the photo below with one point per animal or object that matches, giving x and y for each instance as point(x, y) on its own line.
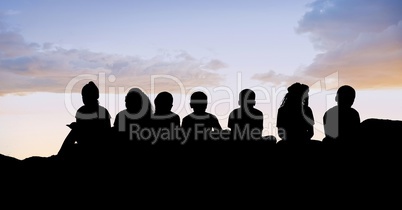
point(163, 116)
point(129, 124)
point(246, 122)
point(295, 118)
point(164, 120)
point(342, 122)
point(89, 133)
point(200, 123)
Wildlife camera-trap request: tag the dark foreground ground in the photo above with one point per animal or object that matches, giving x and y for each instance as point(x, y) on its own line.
point(377, 154)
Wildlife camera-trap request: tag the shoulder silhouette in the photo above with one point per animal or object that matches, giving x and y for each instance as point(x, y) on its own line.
point(246, 122)
point(165, 123)
point(163, 116)
point(130, 123)
point(91, 129)
point(200, 123)
point(295, 118)
point(342, 122)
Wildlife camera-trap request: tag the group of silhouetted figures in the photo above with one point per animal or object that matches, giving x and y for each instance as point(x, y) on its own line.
point(140, 128)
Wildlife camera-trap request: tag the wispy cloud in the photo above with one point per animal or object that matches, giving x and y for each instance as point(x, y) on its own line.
point(361, 40)
point(11, 12)
point(331, 23)
point(372, 60)
point(33, 67)
point(278, 79)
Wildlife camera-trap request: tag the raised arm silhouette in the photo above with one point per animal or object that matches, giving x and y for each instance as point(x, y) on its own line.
point(342, 122)
point(90, 132)
point(295, 118)
point(199, 123)
point(246, 122)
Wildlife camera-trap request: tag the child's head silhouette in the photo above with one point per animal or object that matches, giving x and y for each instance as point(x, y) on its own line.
point(247, 98)
point(163, 102)
point(134, 101)
point(137, 102)
point(90, 94)
point(296, 96)
point(199, 101)
point(345, 96)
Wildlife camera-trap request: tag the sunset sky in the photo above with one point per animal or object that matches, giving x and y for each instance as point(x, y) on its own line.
point(49, 49)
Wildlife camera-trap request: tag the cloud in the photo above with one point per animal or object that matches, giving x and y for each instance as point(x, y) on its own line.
point(361, 40)
point(277, 79)
point(331, 23)
point(372, 60)
point(11, 12)
point(32, 67)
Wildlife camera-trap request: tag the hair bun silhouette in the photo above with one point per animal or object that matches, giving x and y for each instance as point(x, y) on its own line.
point(90, 90)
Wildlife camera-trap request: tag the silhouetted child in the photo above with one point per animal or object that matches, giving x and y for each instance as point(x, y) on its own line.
point(92, 126)
point(130, 123)
point(342, 122)
point(295, 118)
point(164, 121)
point(246, 122)
point(200, 123)
point(163, 116)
